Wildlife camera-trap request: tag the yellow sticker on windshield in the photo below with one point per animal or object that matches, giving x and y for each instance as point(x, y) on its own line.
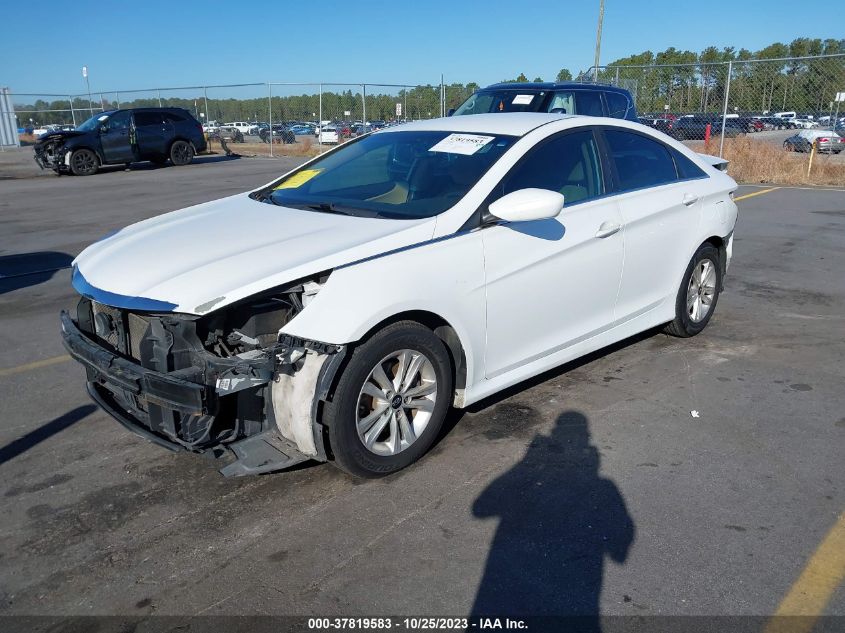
point(299, 179)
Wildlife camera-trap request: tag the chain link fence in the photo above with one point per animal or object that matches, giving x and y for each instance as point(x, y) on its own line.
point(736, 97)
point(259, 110)
point(692, 102)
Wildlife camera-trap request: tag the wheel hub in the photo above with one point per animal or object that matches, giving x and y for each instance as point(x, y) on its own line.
point(396, 402)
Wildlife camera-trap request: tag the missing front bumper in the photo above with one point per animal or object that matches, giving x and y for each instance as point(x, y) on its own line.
point(210, 397)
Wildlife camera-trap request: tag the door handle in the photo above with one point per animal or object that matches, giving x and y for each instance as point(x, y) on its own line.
point(607, 229)
point(689, 199)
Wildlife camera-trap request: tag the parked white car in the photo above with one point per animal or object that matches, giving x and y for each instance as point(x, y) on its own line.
point(806, 124)
point(210, 127)
point(329, 135)
point(243, 127)
point(418, 268)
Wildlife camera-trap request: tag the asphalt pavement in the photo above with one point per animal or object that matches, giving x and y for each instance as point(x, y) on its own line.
point(591, 487)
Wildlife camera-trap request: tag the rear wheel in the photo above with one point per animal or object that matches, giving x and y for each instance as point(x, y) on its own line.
point(390, 401)
point(84, 162)
point(181, 153)
point(698, 294)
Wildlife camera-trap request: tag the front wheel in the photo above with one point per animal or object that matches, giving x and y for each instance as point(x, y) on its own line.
point(84, 162)
point(698, 294)
point(181, 153)
point(390, 401)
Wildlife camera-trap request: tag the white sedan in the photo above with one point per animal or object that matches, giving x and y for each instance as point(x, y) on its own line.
point(338, 312)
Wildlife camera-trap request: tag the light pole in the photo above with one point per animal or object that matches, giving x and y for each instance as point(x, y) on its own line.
point(598, 42)
point(88, 85)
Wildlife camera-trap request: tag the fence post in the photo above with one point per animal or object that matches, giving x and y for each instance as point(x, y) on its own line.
point(320, 121)
point(117, 94)
point(270, 110)
point(617, 76)
point(159, 98)
point(72, 111)
point(442, 97)
point(725, 108)
point(364, 102)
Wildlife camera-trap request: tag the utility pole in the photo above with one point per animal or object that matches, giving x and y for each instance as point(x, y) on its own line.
point(598, 42)
point(90, 101)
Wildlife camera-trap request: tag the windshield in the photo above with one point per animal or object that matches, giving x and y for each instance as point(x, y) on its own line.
point(502, 101)
point(94, 122)
point(403, 175)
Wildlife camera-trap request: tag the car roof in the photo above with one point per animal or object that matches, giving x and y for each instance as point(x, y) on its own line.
point(498, 123)
point(553, 85)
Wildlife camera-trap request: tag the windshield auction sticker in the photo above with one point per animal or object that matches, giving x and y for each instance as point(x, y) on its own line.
point(462, 144)
point(522, 99)
point(299, 179)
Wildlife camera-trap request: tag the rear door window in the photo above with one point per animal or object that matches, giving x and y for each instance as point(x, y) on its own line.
point(639, 160)
point(563, 102)
point(588, 102)
point(148, 118)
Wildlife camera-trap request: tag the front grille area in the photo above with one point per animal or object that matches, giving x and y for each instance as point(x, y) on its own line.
point(138, 327)
point(122, 331)
point(108, 325)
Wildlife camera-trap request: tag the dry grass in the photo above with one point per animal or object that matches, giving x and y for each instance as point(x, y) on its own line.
point(757, 161)
point(303, 147)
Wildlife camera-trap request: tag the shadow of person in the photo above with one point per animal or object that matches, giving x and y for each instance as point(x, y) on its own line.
point(558, 520)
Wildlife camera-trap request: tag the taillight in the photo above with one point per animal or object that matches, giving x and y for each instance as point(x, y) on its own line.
point(823, 140)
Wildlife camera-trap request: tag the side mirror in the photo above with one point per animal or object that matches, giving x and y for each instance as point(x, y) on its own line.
point(528, 204)
point(450, 112)
point(104, 129)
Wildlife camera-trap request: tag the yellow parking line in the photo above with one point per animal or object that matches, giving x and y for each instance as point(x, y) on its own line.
point(11, 371)
point(810, 594)
point(756, 193)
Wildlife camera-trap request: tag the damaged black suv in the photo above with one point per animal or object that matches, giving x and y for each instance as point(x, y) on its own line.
point(116, 137)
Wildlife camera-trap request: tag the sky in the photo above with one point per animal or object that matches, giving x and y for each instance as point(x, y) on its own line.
point(169, 43)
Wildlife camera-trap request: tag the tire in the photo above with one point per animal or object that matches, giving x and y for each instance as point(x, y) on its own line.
point(356, 419)
point(181, 153)
point(689, 318)
point(84, 162)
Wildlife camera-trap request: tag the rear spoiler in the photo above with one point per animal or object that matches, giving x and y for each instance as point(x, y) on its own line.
point(719, 163)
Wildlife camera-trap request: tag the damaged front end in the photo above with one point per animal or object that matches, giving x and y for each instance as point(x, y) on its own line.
point(227, 383)
point(51, 152)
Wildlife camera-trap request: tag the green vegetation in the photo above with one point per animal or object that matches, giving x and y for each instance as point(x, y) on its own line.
point(802, 85)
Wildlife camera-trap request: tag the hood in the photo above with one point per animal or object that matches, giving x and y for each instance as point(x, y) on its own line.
point(55, 136)
point(205, 257)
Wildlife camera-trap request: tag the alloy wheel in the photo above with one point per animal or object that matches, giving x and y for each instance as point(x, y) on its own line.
point(396, 402)
point(701, 290)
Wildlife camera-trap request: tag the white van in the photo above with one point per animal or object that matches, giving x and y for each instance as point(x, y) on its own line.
point(785, 115)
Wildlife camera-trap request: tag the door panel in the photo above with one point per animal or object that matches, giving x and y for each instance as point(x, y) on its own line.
point(115, 138)
point(551, 283)
point(153, 134)
point(659, 212)
point(656, 224)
